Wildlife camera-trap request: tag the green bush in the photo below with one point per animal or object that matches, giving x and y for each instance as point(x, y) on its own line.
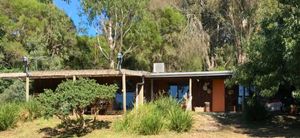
point(254, 111)
point(14, 92)
point(154, 117)
point(9, 115)
point(73, 97)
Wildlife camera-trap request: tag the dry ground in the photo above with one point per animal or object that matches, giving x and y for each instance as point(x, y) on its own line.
point(206, 125)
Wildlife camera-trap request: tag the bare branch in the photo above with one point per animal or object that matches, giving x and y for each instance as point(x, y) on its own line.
point(101, 49)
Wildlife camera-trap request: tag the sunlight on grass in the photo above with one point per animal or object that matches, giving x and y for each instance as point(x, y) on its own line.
point(205, 123)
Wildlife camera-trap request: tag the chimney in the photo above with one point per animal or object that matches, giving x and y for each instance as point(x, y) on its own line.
point(158, 67)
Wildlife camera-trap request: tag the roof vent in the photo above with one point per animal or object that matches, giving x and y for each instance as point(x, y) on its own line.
point(158, 67)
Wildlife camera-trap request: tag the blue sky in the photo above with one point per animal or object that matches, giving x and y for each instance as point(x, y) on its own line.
point(73, 10)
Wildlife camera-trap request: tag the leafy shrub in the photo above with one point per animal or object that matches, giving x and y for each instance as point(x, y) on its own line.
point(151, 118)
point(74, 96)
point(296, 95)
point(14, 93)
point(9, 115)
point(4, 84)
point(254, 111)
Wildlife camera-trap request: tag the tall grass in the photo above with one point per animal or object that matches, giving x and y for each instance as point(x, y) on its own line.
point(30, 110)
point(9, 115)
point(180, 121)
point(154, 117)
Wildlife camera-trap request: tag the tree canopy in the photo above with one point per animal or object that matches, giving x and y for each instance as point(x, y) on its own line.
point(274, 52)
point(37, 30)
point(258, 38)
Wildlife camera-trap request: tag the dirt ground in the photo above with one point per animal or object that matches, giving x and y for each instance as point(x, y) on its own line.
point(205, 125)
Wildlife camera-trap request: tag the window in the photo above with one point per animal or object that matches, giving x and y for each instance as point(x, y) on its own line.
point(178, 91)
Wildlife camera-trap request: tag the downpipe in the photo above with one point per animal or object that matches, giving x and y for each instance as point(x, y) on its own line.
point(137, 91)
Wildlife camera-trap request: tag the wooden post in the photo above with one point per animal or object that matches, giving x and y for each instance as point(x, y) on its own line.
point(124, 91)
point(27, 89)
point(74, 112)
point(189, 104)
point(152, 94)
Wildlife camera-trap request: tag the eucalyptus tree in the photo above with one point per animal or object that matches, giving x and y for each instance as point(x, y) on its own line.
point(37, 30)
point(273, 62)
point(115, 20)
point(228, 26)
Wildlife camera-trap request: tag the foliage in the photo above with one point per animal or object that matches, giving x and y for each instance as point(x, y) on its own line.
point(9, 115)
point(254, 110)
point(4, 84)
point(85, 54)
point(37, 30)
point(118, 17)
point(273, 53)
point(14, 93)
point(157, 35)
point(296, 96)
point(74, 96)
point(154, 117)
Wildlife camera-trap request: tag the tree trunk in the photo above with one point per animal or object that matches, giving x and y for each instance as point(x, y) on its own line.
point(111, 46)
point(210, 62)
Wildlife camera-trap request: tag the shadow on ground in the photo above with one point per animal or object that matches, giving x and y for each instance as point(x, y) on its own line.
point(279, 125)
point(60, 131)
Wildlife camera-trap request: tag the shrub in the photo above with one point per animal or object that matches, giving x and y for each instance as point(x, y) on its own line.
point(180, 121)
point(14, 93)
point(9, 115)
point(74, 96)
point(254, 111)
point(151, 118)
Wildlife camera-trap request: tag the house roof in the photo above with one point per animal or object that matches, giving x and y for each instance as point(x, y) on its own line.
point(192, 74)
point(113, 73)
point(71, 73)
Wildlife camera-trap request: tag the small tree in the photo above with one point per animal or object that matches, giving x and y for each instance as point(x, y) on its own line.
point(74, 96)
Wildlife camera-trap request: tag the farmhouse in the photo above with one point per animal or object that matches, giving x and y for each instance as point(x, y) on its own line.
point(203, 90)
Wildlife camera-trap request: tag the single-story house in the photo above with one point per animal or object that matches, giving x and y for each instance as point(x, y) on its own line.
point(199, 89)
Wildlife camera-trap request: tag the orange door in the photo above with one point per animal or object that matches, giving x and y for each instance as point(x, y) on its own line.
point(218, 95)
